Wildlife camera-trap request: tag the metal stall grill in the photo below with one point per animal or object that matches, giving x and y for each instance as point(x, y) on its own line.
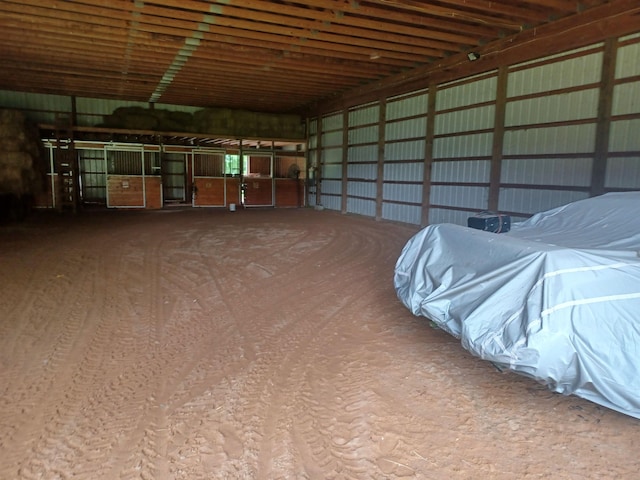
point(125, 176)
point(209, 181)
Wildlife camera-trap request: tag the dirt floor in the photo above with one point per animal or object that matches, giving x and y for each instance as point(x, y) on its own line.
point(262, 344)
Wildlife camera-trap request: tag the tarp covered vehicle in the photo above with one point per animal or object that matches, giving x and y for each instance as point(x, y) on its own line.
point(557, 298)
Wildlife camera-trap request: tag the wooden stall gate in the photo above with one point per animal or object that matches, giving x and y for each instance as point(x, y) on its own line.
point(174, 175)
point(258, 180)
point(133, 176)
point(209, 186)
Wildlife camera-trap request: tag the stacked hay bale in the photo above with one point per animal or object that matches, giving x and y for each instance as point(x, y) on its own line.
point(155, 119)
point(208, 121)
point(22, 164)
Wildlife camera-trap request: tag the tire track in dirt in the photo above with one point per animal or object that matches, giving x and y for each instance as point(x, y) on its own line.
point(262, 347)
point(291, 340)
point(34, 382)
point(228, 434)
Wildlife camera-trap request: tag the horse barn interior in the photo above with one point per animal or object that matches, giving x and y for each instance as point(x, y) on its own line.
point(216, 193)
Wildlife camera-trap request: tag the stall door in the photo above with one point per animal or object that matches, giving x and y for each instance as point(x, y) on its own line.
point(174, 178)
point(209, 186)
point(93, 177)
point(125, 177)
point(258, 181)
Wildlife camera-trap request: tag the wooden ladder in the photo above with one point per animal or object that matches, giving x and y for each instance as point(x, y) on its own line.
point(66, 164)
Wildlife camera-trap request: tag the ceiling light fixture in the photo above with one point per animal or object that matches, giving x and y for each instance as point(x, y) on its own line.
point(473, 56)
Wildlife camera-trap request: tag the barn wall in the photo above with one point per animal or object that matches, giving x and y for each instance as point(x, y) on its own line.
point(520, 139)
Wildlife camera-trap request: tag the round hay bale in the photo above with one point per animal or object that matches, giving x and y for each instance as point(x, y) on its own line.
point(16, 160)
point(10, 116)
point(11, 180)
point(139, 122)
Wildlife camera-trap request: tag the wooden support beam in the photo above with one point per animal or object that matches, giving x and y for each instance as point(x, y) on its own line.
point(428, 154)
point(498, 139)
point(603, 127)
point(382, 128)
point(345, 160)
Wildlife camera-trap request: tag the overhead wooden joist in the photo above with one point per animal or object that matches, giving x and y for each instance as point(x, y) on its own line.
point(276, 56)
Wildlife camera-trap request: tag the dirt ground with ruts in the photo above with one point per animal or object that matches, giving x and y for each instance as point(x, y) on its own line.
point(258, 344)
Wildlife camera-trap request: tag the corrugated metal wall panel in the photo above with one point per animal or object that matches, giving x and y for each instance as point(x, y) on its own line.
point(441, 215)
point(401, 213)
point(364, 115)
point(332, 122)
point(395, 192)
point(360, 206)
point(548, 171)
point(567, 73)
point(623, 172)
point(331, 171)
point(465, 120)
point(364, 153)
point(625, 135)
point(362, 171)
point(331, 202)
point(551, 140)
point(363, 135)
point(467, 93)
point(581, 104)
point(332, 139)
point(399, 151)
point(313, 127)
point(559, 155)
point(404, 172)
point(461, 171)
point(534, 201)
point(405, 129)
point(459, 196)
point(332, 155)
point(626, 98)
point(407, 106)
point(330, 186)
point(473, 145)
point(627, 64)
point(39, 108)
point(361, 189)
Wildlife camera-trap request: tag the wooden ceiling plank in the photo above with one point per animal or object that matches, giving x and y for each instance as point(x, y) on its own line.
point(296, 20)
point(325, 18)
point(72, 23)
point(481, 33)
point(516, 12)
point(451, 13)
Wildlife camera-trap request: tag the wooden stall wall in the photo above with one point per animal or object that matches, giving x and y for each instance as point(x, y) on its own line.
point(209, 182)
point(233, 190)
point(290, 174)
point(133, 177)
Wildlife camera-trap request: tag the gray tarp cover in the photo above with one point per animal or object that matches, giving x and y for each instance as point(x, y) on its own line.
point(557, 298)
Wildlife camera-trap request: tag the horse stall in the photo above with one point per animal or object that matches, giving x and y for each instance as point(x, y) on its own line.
point(133, 176)
point(213, 185)
point(289, 181)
